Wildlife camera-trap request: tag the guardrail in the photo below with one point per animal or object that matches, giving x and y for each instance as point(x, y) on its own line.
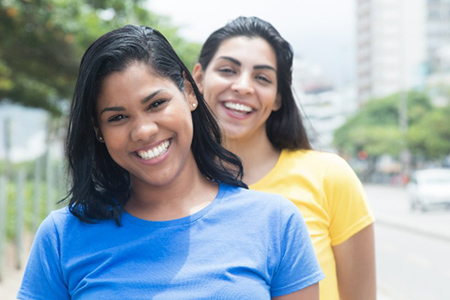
point(27, 196)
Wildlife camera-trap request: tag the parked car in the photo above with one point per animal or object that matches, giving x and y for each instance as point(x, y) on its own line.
point(428, 188)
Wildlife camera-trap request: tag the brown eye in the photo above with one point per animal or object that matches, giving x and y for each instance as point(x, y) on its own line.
point(116, 118)
point(156, 104)
point(227, 71)
point(263, 78)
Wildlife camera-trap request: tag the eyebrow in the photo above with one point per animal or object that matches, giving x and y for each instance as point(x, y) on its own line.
point(121, 108)
point(238, 63)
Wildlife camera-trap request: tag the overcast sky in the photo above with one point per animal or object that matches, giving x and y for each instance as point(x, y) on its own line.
point(320, 31)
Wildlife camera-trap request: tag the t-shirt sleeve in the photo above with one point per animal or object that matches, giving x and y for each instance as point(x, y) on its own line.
point(43, 277)
point(298, 267)
point(347, 201)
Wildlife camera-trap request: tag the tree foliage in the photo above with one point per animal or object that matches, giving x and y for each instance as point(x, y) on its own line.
point(430, 137)
point(42, 42)
point(375, 128)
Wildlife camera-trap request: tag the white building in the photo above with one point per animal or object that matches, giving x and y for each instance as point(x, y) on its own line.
point(438, 51)
point(391, 46)
point(324, 108)
point(438, 35)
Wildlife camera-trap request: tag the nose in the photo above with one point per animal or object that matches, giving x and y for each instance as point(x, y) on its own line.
point(143, 129)
point(243, 84)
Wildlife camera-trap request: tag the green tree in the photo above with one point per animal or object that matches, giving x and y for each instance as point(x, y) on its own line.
point(430, 137)
point(42, 42)
point(375, 128)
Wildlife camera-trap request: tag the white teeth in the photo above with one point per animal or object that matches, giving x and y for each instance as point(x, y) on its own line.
point(155, 152)
point(238, 107)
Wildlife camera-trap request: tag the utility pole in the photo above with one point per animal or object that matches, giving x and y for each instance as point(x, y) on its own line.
point(405, 156)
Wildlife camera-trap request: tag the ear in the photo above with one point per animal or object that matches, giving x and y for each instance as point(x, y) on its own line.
point(95, 126)
point(98, 133)
point(197, 74)
point(278, 103)
point(190, 95)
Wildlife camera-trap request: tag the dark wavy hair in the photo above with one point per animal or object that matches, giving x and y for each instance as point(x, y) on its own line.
point(284, 127)
point(99, 186)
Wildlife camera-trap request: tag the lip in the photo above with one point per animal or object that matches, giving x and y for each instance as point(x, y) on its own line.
point(233, 113)
point(157, 159)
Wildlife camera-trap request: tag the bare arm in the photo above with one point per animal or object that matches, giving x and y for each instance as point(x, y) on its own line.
point(355, 266)
point(309, 293)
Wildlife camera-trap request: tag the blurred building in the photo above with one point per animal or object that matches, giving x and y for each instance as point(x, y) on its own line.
point(324, 107)
point(437, 82)
point(438, 35)
point(390, 46)
point(399, 43)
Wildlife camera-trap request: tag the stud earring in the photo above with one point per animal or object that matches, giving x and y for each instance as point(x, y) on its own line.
point(100, 139)
point(194, 105)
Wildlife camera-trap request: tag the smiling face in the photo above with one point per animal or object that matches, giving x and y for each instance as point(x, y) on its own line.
point(240, 85)
point(146, 124)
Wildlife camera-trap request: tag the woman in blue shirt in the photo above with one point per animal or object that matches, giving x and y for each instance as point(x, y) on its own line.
point(156, 205)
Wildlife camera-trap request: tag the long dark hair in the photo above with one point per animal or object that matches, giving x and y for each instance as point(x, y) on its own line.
point(284, 127)
point(100, 187)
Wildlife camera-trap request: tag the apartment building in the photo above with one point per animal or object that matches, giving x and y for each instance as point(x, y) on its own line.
point(391, 46)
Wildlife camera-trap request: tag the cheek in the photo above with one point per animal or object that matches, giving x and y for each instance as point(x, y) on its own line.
point(270, 96)
point(115, 142)
point(113, 151)
point(189, 127)
point(179, 120)
point(215, 85)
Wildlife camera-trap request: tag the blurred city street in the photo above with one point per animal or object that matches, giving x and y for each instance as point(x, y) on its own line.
point(371, 78)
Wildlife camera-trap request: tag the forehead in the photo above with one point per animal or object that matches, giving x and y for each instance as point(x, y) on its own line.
point(136, 73)
point(135, 82)
point(250, 49)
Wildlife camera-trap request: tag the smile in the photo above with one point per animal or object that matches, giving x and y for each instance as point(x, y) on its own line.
point(155, 152)
point(238, 107)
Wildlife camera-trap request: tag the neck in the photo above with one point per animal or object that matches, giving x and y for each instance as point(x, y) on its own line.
point(257, 154)
point(182, 197)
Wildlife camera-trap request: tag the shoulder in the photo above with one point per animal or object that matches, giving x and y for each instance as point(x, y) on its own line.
point(57, 218)
point(315, 164)
point(51, 229)
point(318, 157)
point(329, 172)
point(63, 217)
point(58, 221)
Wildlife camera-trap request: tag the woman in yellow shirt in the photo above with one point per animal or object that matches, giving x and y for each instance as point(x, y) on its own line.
point(245, 74)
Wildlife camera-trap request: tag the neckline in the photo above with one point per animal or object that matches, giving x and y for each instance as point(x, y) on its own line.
point(128, 219)
point(283, 153)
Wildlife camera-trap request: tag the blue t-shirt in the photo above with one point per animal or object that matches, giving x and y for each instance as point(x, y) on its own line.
point(244, 245)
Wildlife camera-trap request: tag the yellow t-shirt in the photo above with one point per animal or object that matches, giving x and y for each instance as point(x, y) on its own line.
point(331, 198)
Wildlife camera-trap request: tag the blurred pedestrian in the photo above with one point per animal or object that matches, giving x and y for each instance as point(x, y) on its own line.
point(245, 74)
point(156, 207)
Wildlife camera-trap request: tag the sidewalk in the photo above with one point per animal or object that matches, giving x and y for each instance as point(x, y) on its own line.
point(390, 205)
point(11, 276)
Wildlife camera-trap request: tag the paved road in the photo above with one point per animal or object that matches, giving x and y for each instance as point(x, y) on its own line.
point(391, 208)
point(413, 248)
point(412, 266)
